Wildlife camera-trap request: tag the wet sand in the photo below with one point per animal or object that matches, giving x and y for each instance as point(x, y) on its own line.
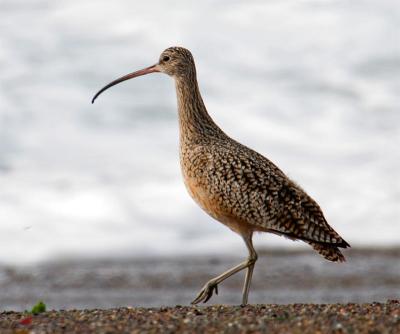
point(268, 318)
point(280, 277)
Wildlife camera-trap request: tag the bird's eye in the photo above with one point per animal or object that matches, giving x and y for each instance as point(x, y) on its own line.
point(165, 58)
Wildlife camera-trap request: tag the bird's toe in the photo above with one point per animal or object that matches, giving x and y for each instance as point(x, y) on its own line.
point(206, 293)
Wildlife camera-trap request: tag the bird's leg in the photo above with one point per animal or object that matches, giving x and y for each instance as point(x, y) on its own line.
point(212, 285)
point(208, 289)
point(253, 258)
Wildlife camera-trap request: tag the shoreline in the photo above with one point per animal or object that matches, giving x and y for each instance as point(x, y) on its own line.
point(280, 277)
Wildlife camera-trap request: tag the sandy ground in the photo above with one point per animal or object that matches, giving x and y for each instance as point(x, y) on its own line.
point(268, 318)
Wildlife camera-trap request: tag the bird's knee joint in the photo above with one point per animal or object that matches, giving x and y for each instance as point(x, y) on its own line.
point(253, 258)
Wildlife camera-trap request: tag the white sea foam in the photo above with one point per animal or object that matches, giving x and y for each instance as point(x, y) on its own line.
point(313, 85)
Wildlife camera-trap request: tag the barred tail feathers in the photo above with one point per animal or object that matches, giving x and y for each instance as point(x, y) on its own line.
point(328, 251)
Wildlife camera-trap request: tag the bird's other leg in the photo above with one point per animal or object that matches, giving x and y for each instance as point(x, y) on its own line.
point(249, 273)
point(212, 285)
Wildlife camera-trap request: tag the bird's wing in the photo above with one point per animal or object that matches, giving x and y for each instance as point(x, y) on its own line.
point(258, 192)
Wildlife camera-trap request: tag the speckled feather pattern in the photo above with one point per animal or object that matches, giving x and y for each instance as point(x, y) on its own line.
point(238, 186)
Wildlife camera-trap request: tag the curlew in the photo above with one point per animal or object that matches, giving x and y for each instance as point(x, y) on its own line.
point(234, 184)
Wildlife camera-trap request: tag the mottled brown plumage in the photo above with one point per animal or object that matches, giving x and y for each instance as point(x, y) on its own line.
point(234, 184)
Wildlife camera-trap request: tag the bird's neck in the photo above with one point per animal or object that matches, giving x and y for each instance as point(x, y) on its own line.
point(194, 121)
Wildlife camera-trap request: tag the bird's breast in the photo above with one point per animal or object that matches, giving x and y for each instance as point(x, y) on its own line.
point(213, 204)
point(203, 184)
point(195, 165)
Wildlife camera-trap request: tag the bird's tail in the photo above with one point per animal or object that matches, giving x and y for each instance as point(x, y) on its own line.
point(328, 251)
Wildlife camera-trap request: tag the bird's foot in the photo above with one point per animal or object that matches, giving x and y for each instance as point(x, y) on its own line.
point(206, 292)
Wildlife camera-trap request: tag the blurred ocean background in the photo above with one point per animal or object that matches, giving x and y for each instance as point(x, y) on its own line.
point(312, 85)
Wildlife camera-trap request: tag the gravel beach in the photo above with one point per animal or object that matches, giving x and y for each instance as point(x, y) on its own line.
point(268, 318)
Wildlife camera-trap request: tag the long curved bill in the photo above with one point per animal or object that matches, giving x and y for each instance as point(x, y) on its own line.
point(147, 70)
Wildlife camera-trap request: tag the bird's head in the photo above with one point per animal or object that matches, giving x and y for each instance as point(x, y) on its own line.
point(175, 61)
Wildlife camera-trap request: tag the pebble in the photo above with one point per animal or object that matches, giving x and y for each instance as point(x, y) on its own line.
point(292, 318)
